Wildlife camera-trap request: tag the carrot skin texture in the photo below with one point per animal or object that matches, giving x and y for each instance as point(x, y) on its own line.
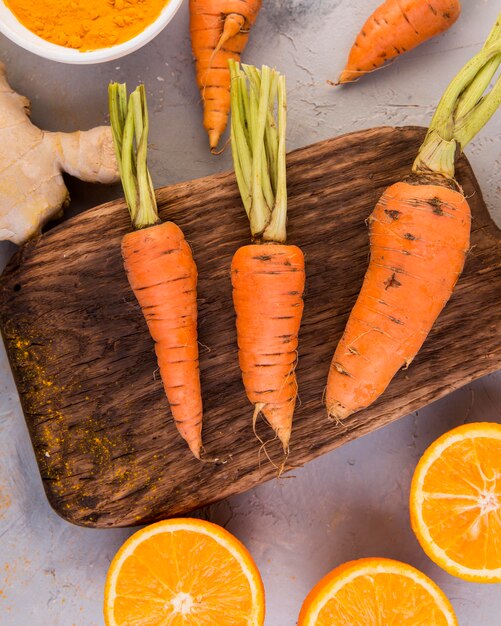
point(207, 23)
point(419, 237)
point(268, 284)
point(395, 27)
point(163, 276)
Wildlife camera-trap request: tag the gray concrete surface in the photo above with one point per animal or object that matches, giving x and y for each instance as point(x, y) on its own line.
point(353, 501)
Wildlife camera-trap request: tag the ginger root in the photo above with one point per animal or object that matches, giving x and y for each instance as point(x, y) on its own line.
point(32, 189)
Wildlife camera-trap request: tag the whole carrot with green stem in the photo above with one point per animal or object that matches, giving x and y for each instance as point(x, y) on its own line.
point(419, 237)
point(160, 267)
point(268, 275)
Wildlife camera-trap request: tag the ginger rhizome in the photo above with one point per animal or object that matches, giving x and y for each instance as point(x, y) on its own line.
point(32, 161)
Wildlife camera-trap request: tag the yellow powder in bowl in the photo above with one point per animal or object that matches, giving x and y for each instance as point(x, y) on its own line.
point(86, 24)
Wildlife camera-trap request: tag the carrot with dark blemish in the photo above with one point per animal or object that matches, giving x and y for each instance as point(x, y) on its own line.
point(267, 276)
point(160, 268)
point(219, 32)
point(419, 237)
point(395, 27)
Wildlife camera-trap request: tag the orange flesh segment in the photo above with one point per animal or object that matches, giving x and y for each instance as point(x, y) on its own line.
point(376, 592)
point(184, 577)
point(462, 502)
point(204, 572)
point(381, 599)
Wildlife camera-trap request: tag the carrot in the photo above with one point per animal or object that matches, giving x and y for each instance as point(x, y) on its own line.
point(219, 32)
point(419, 237)
point(395, 27)
point(268, 282)
point(160, 268)
point(267, 276)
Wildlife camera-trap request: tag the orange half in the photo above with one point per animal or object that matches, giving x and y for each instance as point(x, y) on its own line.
point(183, 572)
point(376, 592)
point(455, 502)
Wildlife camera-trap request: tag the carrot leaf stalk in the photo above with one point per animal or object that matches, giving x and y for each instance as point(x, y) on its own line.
point(130, 127)
point(258, 122)
point(464, 109)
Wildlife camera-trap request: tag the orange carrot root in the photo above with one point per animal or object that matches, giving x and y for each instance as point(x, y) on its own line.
point(268, 284)
point(419, 237)
point(394, 28)
point(163, 276)
point(219, 31)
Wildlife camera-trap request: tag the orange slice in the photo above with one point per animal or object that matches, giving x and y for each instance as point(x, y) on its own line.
point(455, 502)
point(376, 592)
point(183, 572)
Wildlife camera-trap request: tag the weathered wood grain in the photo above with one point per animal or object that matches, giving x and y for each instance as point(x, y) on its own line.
point(83, 362)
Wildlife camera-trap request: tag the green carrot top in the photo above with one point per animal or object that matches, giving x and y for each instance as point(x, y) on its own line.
point(258, 119)
point(130, 126)
point(463, 109)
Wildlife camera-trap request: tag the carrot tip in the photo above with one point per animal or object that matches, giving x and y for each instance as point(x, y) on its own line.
point(284, 435)
point(215, 460)
point(196, 448)
point(217, 152)
point(214, 136)
point(337, 412)
point(348, 77)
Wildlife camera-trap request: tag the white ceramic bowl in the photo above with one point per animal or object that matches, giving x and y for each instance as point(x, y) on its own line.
point(15, 31)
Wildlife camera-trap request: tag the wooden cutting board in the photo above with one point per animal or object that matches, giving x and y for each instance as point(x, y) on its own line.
point(83, 361)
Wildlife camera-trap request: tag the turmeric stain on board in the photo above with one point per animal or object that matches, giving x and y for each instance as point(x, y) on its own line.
point(86, 24)
point(38, 394)
point(66, 446)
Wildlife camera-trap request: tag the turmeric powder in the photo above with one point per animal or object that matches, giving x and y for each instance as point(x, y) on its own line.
point(86, 24)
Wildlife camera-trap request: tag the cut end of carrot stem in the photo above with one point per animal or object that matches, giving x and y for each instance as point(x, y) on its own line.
point(130, 126)
point(464, 109)
point(258, 122)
